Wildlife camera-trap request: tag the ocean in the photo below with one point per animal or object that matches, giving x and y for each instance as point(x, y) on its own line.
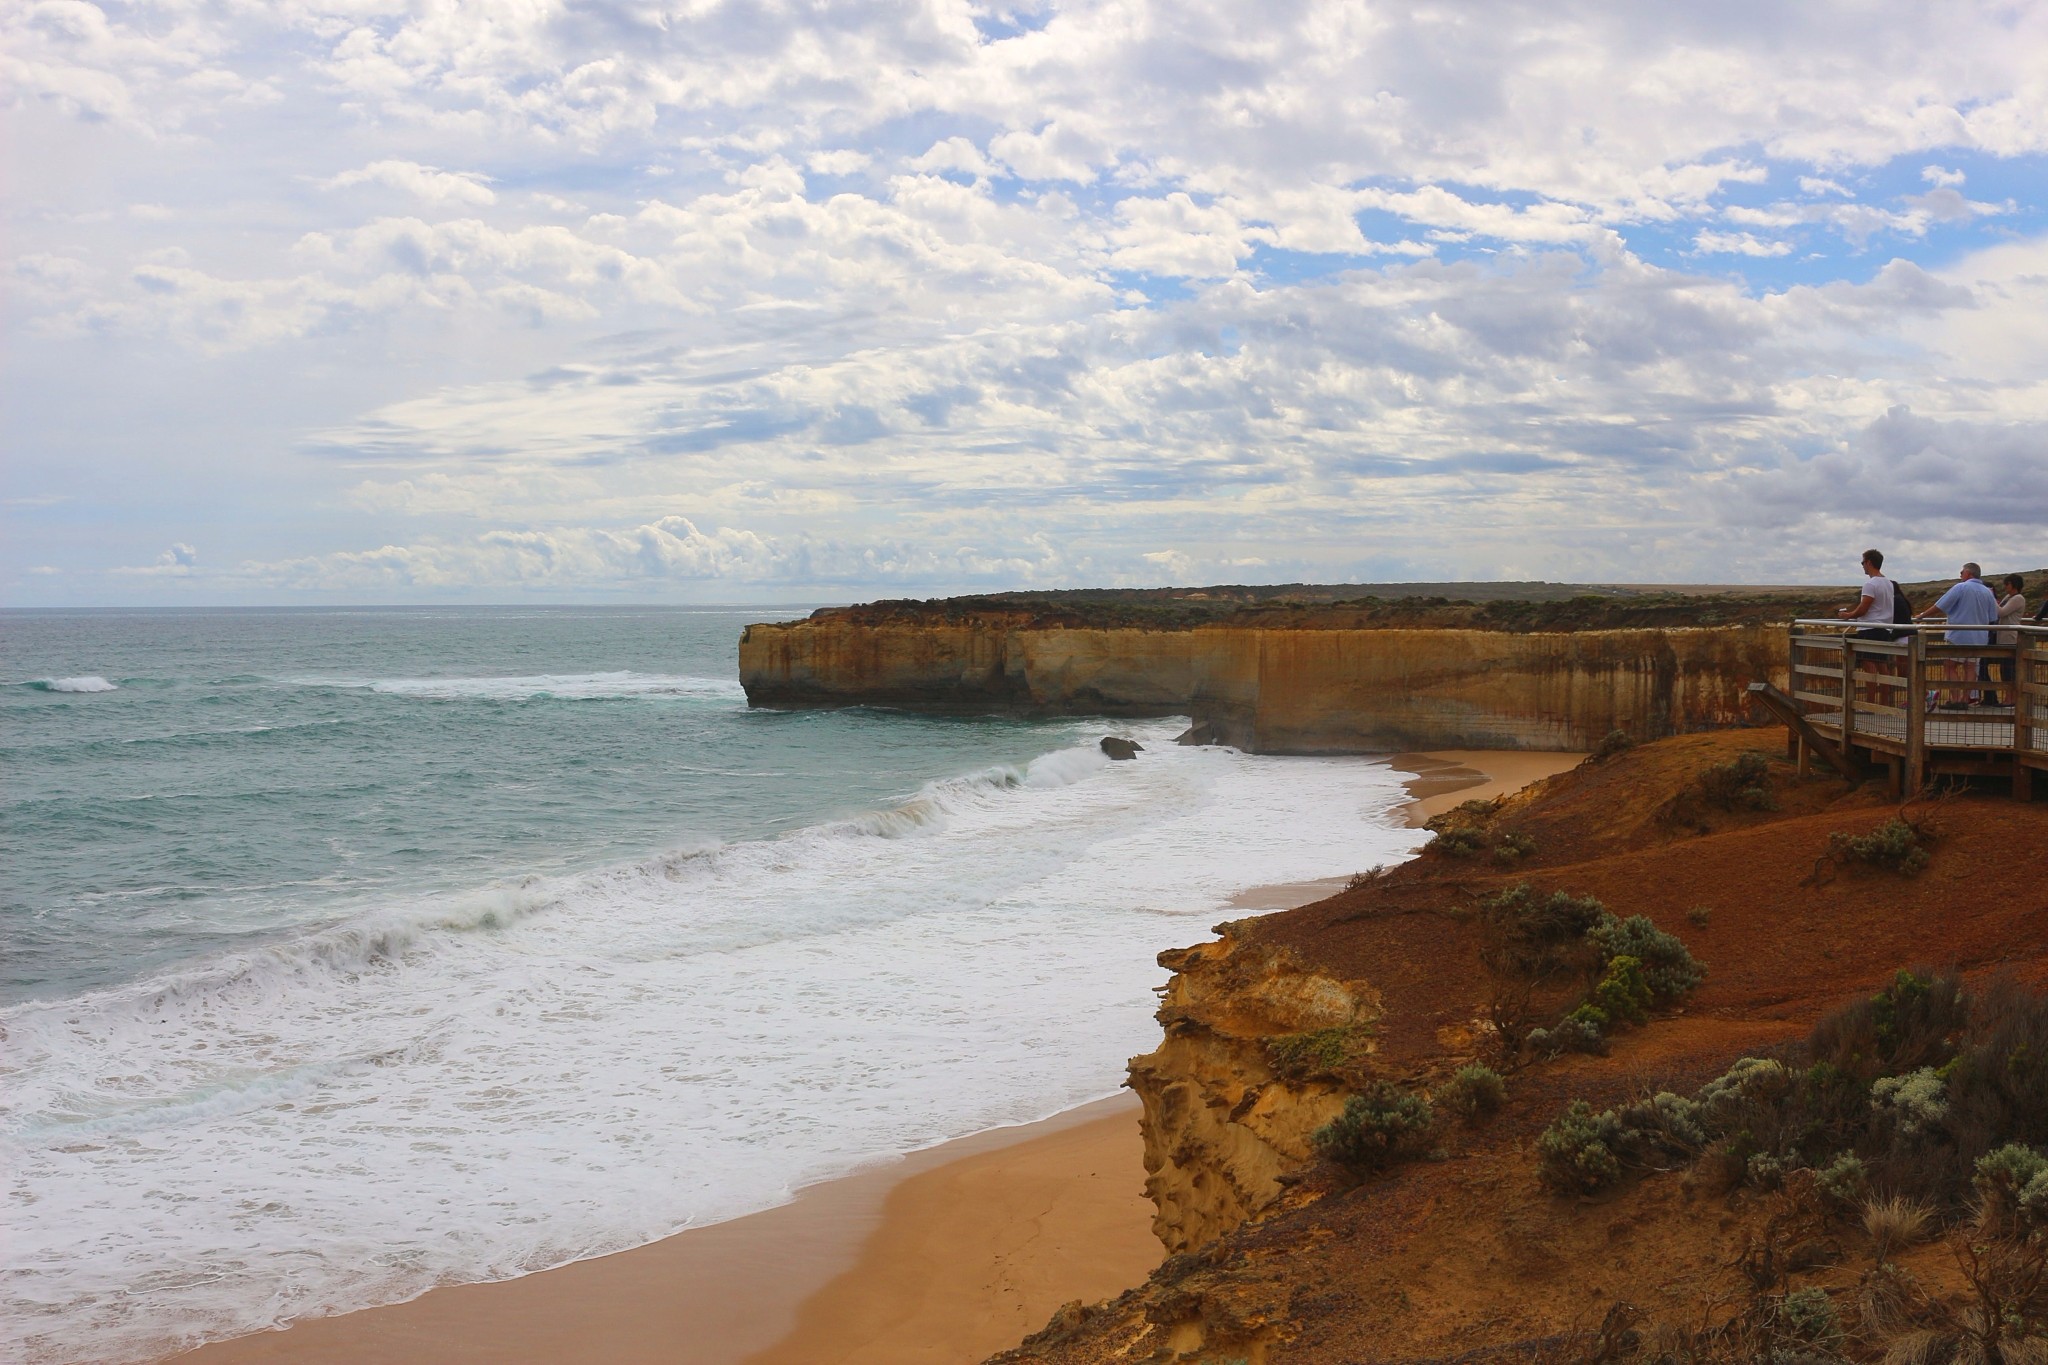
point(352, 952)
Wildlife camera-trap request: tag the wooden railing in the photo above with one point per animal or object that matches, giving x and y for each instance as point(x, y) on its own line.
point(1917, 703)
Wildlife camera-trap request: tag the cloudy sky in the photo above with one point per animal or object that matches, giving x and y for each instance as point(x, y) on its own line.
point(418, 300)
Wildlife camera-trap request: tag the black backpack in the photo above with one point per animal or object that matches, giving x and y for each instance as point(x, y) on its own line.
point(1902, 610)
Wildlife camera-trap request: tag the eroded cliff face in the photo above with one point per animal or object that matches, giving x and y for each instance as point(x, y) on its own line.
point(1221, 1126)
point(1308, 690)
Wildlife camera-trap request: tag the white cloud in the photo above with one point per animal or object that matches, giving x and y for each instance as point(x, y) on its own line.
point(179, 562)
point(636, 295)
point(1739, 243)
point(838, 161)
point(424, 183)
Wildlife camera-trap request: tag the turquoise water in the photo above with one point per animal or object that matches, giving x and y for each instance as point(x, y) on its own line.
point(252, 772)
point(354, 952)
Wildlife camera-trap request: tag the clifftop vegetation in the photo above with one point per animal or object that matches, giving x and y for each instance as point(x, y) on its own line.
point(1514, 607)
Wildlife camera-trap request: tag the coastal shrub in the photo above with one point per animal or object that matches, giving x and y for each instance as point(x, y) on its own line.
point(1367, 877)
point(1668, 967)
point(1612, 743)
point(1630, 965)
point(1472, 1093)
point(1700, 916)
point(1621, 992)
point(1322, 1052)
point(1461, 842)
point(2012, 1190)
point(1531, 935)
point(1913, 1101)
point(1925, 1090)
point(1513, 847)
point(1379, 1126)
point(1460, 832)
point(1579, 1031)
point(1585, 1151)
point(1898, 845)
point(1845, 1180)
point(1576, 1153)
point(1742, 783)
point(1808, 1316)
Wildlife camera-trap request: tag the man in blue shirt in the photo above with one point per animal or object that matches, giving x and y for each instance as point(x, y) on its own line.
point(1968, 603)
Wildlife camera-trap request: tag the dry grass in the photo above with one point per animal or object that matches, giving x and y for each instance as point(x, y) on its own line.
point(1894, 1223)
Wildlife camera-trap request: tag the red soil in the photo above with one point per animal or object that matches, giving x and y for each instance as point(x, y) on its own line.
point(1470, 1254)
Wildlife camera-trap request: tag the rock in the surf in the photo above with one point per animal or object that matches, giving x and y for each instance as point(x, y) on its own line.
point(1121, 748)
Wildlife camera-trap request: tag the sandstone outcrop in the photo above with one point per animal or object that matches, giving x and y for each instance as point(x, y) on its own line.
point(1303, 690)
point(1220, 1126)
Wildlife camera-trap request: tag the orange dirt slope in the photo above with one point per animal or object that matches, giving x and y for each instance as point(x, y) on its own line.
point(1465, 1255)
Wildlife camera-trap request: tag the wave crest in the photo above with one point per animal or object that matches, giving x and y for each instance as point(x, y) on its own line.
point(85, 682)
point(613, 686)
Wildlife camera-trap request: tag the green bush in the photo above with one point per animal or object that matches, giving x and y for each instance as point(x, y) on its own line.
point(1457, 843)
point(1585, 1151)
point(1932, 1093)
point(1913, 1101)
point(1845, 1179)
point(1614, 742)
point(1622, 993)
point(1379, 1126)
point(1513, 847)
point(1809, 1315)
point(1668, 967)
point(1323, 1052)
point(1534, 936)
point(1897, 845)
point(1473, 1093)
point(2012, 1189)
point(1580, 1031)
point(1576, 1154)
point(1742, 783)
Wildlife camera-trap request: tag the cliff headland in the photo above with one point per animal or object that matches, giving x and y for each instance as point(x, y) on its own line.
point(1306, 669)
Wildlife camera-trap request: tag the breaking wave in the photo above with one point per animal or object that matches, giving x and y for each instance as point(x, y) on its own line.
point(543, 687)
point(85, 682)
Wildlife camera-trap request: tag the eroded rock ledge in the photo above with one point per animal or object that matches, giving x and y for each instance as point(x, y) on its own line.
point(1290, 688)
point(1221, 1125)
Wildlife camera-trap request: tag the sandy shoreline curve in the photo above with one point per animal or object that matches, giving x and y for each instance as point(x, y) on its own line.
point(943, 1257)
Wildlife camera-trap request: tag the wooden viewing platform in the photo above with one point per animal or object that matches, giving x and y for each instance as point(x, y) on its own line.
point(1906, 704)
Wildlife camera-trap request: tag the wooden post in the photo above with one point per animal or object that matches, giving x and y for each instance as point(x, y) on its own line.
point(1848, 693)
point(1916, 716)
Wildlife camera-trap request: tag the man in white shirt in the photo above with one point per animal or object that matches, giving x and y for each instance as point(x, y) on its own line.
point(1875, 605)
point(1874, 608)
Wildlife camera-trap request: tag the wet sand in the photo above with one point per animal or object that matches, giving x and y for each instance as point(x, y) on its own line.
point(1444, 778)
point(961, 1250)
point(941, 1258)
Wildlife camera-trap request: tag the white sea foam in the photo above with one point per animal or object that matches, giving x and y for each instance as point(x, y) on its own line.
point(471, 1087)
point(87, 682)
point(557, 686)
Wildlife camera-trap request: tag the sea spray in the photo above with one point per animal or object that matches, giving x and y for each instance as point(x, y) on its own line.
point(85, 683)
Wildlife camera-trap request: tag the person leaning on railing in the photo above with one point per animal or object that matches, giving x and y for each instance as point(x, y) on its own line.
point(2012, 609)
point(1968, 603)
point(1874, 606)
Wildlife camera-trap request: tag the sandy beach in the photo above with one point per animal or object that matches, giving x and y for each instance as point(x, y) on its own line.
point(943, 1257)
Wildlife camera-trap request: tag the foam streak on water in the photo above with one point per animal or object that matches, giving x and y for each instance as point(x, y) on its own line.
point(471, 1085)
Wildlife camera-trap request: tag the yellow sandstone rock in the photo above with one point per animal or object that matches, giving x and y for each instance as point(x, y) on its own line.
point(1301, 690)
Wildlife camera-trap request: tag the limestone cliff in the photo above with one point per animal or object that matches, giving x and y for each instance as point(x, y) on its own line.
point(1221, 1125)
point(1283, 689)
